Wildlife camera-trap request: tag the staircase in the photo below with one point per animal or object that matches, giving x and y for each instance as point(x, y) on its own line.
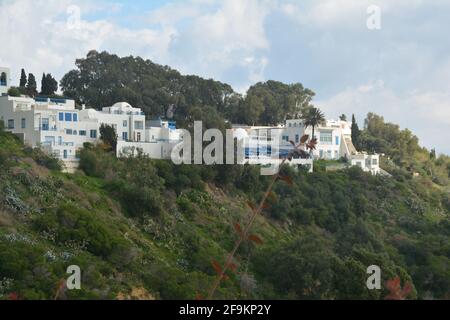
point(350, 147)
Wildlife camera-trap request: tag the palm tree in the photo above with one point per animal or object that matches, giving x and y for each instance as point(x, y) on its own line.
point(313, 117)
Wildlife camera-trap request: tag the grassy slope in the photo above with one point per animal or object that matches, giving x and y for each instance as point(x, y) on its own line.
point(312, 247)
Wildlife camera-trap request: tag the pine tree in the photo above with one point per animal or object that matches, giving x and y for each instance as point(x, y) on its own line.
point(23, 79)
point(31, 85)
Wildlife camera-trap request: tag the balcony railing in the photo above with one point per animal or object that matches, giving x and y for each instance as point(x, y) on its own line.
point(46, 128)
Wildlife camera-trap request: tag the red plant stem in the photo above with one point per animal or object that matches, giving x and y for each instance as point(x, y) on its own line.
point(244, 235)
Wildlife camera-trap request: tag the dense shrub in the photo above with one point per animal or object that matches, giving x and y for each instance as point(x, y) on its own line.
point(72, 224)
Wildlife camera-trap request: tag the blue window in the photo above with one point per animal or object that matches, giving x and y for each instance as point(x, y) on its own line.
point(125, 136)
point(68, 117)
point(297, 138)
point(24, 123)
point(75, 117)
point(69, 131)
point(11, 124)
point(45, 124)
point(125, 123)
point(61, 116)
point(94, 134)
point(337, 141)
point(82, 132)
point(65, 154)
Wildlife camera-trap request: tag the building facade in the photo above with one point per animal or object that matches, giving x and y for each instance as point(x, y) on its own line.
point(61, 130)
point(334, 142)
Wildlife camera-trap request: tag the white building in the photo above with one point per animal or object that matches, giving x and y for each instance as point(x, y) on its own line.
point(334, 143)
point(5, 80)
point(268, 145)
point(60, 129)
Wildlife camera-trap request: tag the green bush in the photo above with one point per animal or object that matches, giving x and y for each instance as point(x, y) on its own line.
point(72, 224)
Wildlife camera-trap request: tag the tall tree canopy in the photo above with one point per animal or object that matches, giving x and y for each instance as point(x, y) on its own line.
point(102, 79)
point(272, 102)
point(49, 85)
point(23, 79)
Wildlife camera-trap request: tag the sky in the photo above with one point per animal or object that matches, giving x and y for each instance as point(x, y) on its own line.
point(400, 70)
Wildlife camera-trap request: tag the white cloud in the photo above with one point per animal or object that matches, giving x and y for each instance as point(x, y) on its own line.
point(426, 114)
point(39, 38)
point(220, 36)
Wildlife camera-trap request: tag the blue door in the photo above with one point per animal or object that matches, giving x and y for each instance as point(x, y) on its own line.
point(65, 154)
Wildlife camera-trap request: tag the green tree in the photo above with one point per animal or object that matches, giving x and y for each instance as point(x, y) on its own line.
point(313, 117)
point(49, 85)
point(101, 79)
point(109, 136)
point(31, 85)
point(251, 110)
point(14, 92)
point(23, 79)
point(356, 133)
point(281, 101)
point(343, 117)
point(433, 154)
point(44, 84)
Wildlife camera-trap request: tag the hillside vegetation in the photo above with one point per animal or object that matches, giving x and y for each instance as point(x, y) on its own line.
point(147, 229)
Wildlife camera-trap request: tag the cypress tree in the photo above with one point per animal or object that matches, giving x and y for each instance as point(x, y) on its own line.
point(356, 133)
point(31, 85)
point(51, 85)
point(44, 86)
point(23, 79)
